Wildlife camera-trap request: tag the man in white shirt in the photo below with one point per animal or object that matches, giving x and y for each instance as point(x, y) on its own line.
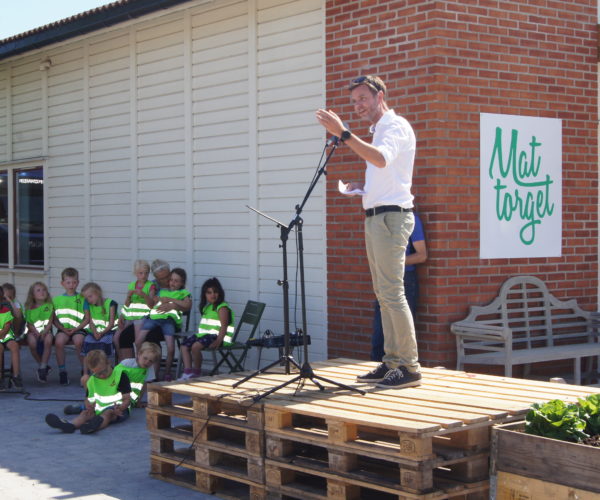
point(388, 205)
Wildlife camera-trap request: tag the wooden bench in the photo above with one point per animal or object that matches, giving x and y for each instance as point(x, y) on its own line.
point(527, 324)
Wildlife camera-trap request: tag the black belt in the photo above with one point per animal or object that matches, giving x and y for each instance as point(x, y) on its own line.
point(386, 208)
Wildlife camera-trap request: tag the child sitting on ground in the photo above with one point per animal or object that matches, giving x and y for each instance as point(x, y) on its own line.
point(167, 314)
point(139, 301)
point(107, 402)
point(140, 370)
point(103, 315)
point(71, 314)
point(7, 341)
point(39, 312)
point(215, 328)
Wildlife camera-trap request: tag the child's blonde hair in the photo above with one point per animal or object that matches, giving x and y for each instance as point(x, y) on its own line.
point(152, 348)
point(30, 301)
point(96, 288)
point(96, 358)
point(141, 264)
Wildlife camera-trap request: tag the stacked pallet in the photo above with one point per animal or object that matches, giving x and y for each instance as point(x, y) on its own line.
point(423, 443)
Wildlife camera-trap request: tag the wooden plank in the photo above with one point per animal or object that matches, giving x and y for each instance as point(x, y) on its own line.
point(515, 487)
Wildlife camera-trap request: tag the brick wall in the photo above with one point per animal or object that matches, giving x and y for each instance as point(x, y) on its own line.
point(445, 62)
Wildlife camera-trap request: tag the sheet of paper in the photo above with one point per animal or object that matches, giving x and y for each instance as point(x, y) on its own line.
point(343, 188)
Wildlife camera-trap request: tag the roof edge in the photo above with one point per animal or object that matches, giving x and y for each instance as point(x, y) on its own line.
point(81, 24)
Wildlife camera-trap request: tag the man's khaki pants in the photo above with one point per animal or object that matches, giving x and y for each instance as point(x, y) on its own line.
point(386, 237)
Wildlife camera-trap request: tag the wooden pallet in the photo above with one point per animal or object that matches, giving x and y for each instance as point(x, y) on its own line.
point(428, 442)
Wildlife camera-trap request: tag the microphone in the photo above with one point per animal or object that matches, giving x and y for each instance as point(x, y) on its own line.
point(334, 140)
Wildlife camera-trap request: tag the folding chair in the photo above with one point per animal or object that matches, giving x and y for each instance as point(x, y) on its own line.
point(249, 321)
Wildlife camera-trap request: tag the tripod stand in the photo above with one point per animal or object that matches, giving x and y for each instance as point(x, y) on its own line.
point(305, 370)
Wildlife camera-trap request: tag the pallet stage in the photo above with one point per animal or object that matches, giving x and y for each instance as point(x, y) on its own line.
point(430, 442)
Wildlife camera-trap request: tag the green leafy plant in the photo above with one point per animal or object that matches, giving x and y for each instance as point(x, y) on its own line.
point(556, 419)
point(589, 412)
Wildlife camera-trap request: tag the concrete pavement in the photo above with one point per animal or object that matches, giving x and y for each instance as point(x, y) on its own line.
point(38, 462)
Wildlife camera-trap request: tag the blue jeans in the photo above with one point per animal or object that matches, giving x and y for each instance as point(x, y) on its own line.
point(411, 290)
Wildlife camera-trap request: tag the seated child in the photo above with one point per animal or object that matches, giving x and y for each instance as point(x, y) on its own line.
point(7, 341)
point(167, 314)
point(215, 328)
point(103, 315)
point(140, 370)
point(107, 402)
point(39, 312)
point(71, 315)
point(10, 294)
point(138, 303)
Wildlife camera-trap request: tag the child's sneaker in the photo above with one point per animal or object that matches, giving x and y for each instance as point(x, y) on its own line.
point(73, 409)
point(91, 425)
point(17, 382)
point(63, 378)
point(186, 376)
point(56, 422)
point(42, 375)
point(3, 386)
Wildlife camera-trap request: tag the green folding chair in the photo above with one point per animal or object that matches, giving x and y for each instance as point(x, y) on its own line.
point(244, 330)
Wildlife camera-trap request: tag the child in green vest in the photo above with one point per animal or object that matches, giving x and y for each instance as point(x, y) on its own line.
point(140, 370)
point(167, 313)
point(103, 317)
point(71, 314)
point(7, 341)
point(10, 294)
point(215, 328)
point(138, 302)
point(39, 312)
point(107, 402)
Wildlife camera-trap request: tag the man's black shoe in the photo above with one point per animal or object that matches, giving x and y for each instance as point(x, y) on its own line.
point(399, 378)
point(375, 375)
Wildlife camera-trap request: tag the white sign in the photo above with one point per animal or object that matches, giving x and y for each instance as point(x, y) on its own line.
point(520, 186)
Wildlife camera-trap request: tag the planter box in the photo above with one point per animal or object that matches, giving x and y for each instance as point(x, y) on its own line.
point(549, 460)
point(514, 487)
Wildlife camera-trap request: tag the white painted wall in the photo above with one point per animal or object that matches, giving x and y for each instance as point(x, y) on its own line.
point(155, 135)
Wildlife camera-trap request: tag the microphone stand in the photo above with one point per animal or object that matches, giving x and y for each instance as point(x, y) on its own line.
point(305, 370)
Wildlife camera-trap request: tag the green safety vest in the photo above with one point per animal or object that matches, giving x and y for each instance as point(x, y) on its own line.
point(210, 323)
point(40, 316)
point(5, 318)
point(137, 379)
point(69, 310)
point(174, 314)
point(101, 316)
point(103, 392)
point(137, 308)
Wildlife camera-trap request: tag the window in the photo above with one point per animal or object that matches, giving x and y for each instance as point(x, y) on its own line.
point(22, 216)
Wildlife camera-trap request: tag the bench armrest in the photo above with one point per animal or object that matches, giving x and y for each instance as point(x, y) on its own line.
point(473, 330)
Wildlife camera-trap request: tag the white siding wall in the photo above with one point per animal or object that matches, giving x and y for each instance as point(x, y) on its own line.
point(160, 131)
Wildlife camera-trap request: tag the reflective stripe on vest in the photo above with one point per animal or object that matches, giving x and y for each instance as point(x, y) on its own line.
point(208, 326)
point(69, 310)
point(137, 308)
point(101, 319)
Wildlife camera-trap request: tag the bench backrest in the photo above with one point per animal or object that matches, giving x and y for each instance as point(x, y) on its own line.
point(534, 315)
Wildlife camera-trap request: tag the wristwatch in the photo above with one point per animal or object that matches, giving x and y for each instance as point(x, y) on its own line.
point(346, 134)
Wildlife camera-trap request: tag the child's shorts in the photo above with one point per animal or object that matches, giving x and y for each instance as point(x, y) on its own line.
point(205, 340)
point(104, 344)
point(167, 325)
